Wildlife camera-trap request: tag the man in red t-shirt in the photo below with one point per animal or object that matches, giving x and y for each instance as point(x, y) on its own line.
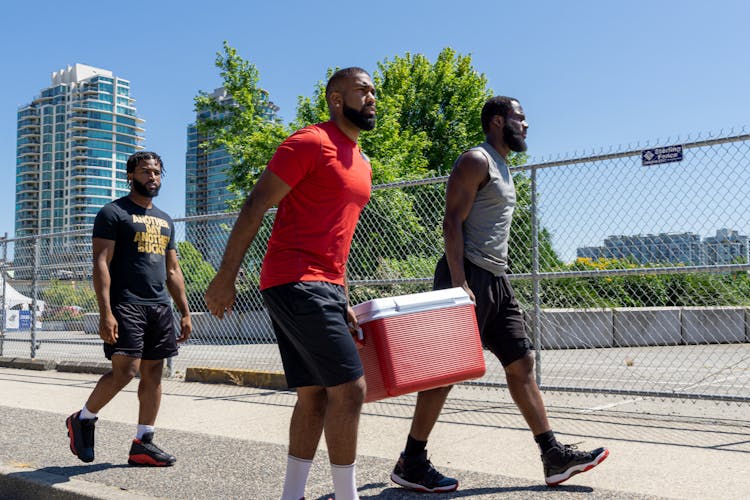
point(320, 181)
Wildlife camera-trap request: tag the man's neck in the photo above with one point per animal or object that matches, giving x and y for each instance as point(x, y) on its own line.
point(140, 200)
point(349, 130)
point(500, 146)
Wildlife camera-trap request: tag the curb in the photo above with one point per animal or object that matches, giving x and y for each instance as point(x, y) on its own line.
point(249, 378)
point(23, 483)
point(83, 367)
point(27, 363)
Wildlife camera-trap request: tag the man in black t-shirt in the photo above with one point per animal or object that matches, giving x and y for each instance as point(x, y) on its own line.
point(135, 272)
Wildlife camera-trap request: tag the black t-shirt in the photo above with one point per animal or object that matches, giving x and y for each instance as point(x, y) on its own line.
point(142, 237)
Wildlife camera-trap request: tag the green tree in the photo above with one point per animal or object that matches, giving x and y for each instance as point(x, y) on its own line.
point(70, 293)
point(197, 272)
point(241, 125)
point(437, 103)
point(428, 114)
point(519, 246)
point(641, 290)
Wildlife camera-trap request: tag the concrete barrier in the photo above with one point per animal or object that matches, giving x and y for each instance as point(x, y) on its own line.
point(573, 328)
point(63, 326)
point(91, 323)
point(99, 368)
point(253, 327)
point(560, 328)
point(644, 326)
point(28, 363)
point(713, 325)
point(238, 327)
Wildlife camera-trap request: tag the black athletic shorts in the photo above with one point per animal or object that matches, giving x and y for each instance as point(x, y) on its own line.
point(145, 331)
point(310, 322)
point(499, 316)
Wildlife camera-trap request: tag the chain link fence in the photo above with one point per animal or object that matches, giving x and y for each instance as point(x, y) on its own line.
point(633, 274)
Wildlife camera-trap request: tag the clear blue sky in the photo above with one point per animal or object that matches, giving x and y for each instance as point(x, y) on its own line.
point(590, 74)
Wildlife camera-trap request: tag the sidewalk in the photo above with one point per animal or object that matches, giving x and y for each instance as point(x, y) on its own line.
point(231, 443)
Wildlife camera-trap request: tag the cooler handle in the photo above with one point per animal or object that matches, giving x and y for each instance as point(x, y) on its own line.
point(414, 301)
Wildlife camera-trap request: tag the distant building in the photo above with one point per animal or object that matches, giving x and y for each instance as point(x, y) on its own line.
point(593, 253)
point(73, 141)
point(207, 183)
point(727, 247)
point(672, 248)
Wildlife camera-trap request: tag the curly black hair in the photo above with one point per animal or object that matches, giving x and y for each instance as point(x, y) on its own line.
point(140, 156)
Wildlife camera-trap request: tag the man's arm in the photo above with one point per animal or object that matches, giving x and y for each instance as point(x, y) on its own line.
point(103, 251)
point(468, 176)
point(176, 287)
point(268, 192)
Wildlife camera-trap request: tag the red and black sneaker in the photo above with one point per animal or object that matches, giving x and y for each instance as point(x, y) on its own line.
point(81, 435)
point(561, 463)
point(144, 452)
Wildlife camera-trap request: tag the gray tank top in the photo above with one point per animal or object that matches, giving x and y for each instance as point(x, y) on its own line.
point(487, 227)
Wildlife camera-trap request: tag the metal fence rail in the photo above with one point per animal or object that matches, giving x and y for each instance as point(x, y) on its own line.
point(634, 278)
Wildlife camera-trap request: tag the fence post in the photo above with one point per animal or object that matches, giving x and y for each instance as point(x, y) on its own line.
point(2, 277)
point(34, 277)
point(535, 330)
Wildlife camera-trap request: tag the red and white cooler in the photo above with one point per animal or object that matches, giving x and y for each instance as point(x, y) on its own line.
point(419, 341)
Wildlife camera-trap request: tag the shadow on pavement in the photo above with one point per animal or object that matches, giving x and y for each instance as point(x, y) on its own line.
point(65, 473)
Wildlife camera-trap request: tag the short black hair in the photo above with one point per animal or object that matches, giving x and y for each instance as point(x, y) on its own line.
point(342, 74)
point(498, 105)
point(140, 156)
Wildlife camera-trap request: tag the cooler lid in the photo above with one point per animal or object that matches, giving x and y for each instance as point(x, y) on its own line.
point(415, 302)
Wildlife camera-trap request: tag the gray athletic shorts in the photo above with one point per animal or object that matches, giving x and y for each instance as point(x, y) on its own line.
point(310, 322)
point(499, 317)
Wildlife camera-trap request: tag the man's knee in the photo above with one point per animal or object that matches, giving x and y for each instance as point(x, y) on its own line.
point(351, 394)
point(521, 369)
point(125, 368)
point(312, 400)
point(151, 372)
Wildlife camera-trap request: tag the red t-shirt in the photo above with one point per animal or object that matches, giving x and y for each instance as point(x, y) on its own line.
point(312, 234)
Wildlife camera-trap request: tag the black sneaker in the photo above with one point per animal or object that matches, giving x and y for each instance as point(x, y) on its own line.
point(560, 464)
point(418, 474)
point(144, 452)
point(81, 434)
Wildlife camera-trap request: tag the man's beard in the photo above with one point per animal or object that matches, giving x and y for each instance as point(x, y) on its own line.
point(513, 139)
point(142, 190)
point(358, 118)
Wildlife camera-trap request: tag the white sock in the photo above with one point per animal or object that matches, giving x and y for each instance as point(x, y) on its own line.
point(344, 482)
point(86, 414)
point(143, 429)
point(297, 470)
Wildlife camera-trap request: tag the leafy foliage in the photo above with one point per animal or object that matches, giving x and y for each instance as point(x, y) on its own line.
point(639, 290)
point(198, 273)
point(428, 114)
point(241, 125)
point(70, 293)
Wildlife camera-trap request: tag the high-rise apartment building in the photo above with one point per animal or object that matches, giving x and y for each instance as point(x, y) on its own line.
point(73, 142)
point(207, 182)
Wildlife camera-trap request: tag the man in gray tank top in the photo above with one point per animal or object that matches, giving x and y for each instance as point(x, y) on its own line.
point(480, 199)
